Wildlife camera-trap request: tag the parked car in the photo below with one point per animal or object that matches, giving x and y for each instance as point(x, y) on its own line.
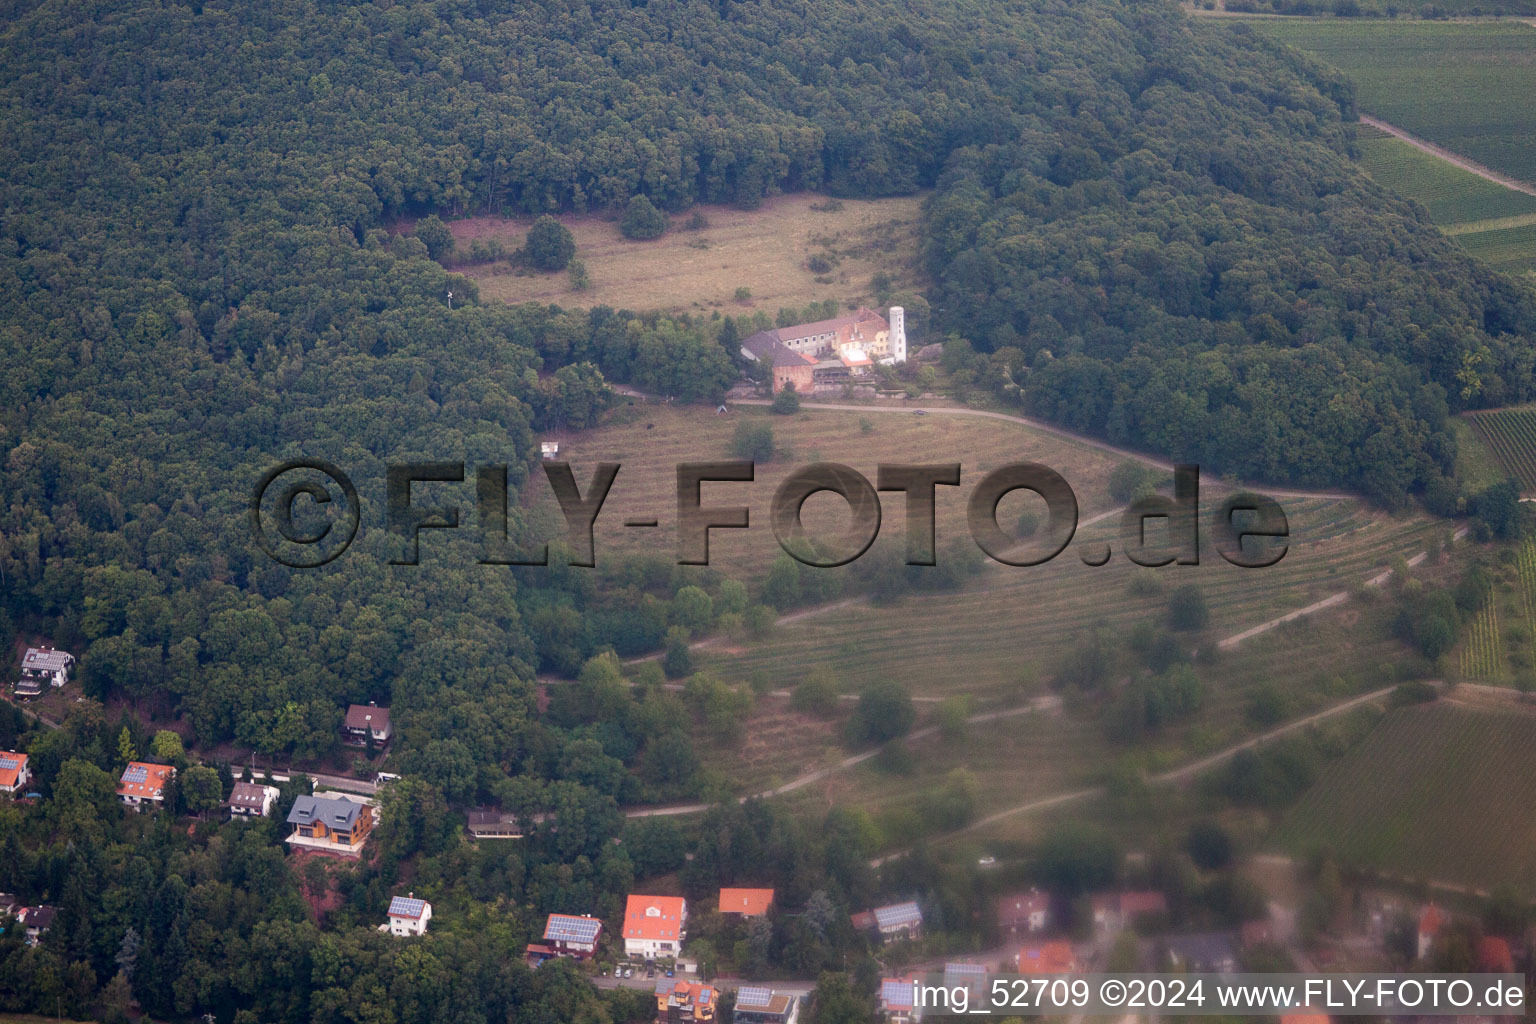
point(669, 972)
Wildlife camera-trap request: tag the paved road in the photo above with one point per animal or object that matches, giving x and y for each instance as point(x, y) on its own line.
point(1450, 157)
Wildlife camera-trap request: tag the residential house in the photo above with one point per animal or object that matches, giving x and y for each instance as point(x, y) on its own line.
point(967, 976)
point(685, 1002)
point(408, 915)
point(1204, 953)
point(898, 1004)
point(144, 783)
point(549, 449)
point(572, 935)
point(15, 773)
point(655, 926)
point(334, 823)
point(1048, 958)
point(790, 369)
point(1430, 923)
point(35, 921)
point(759, 1004)
point(490, 823)
point(43, 666)
point(1023, 913)
point(898, 921)
point(1494, 957)
point(249, 800)
point(746, 902)
point(1113, 911)
point(365, 722)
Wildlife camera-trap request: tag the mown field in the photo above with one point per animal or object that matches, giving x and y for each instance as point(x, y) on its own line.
point(1439, 792)
point(1466, 86)
point(764, 250)
point(1510, 436)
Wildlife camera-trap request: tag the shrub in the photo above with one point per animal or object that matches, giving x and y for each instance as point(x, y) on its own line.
point(786, 402)
point(753, 440)
point(549, 245)
point(642, 221)
point(434, 234)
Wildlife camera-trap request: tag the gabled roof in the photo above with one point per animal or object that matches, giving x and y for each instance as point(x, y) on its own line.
point(964, 974)
point(367, 716)
point(144, 780)
point(654, 917)
point(12, 765)
point(248, 795)
point(896, 993)
point(1016, 908)
point(46, 659)
point(37, 917)
point(898, 915)
point(329, 811)
point(747, 902)
point(408, 907)
point(571, 928)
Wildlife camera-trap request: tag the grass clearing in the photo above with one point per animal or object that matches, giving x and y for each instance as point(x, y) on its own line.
point(1466, 86)
point(763, 250)
point(1475, 464)
point(1441, 792)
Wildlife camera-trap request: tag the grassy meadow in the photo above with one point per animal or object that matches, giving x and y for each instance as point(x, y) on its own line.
point(764, 250)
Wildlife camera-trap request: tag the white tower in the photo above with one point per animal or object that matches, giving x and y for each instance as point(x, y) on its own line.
point(898, 344)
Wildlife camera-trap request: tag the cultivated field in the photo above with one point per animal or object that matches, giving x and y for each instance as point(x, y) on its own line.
point(1510, 435)
point(1466, 86)
point(1457, 199)
point(1001, 637)
point(1441, 792)
point(764, 250)
point(1509, 248)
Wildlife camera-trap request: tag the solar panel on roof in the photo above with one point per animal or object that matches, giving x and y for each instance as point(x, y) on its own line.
point(898, 914)
point(753, 996)
point(136, 773)
point(896, 993)
point(704, 996)
point(402, 906)
point(566, 928)
point(7, 763)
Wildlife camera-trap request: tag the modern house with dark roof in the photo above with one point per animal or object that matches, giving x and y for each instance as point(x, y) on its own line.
point(490, 823)
point(572, 935)
point(43, 666)
point(334, 824)
point(366, 722)
point(1203, 953)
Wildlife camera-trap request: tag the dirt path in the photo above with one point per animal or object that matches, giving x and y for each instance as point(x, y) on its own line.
point(1046, 428)
point(1180, 774)
point(1449, 157)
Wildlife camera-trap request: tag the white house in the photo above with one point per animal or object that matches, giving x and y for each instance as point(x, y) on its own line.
point(408, 916)
point(654, 926)
point(248, 800)
point(14, 772)
point(42, 666)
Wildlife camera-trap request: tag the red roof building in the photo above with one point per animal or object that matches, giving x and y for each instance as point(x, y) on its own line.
point(14, 773)
point(746, 902)
point(1023, 912)
point(143, 783)
point(1493, 956)
point(1048, 958)
point(654, 926)
point(1429, 926)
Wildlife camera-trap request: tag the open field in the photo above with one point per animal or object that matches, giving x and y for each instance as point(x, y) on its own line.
point(1509, 249)
point(1509, 435)
point(1466, 86)
point(1475, 464)
point(1440, 792)
point(764, 250)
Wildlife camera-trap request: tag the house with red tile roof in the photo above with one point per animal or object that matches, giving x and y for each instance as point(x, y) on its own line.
point(1023, 913)
point(654, 926)
point(746, 902)
point(144, 783)
point(1048, 958)
point(1430, 922)
point(14, 772)
point(1493, 956)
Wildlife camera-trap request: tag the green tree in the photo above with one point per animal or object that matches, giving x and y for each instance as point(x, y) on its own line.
point(434, 234)
point(884, 711)
point(550, 245)
point(1187, 609)
point(787, 402)
point(642, 221)
point(752, 439)
point(200, 789)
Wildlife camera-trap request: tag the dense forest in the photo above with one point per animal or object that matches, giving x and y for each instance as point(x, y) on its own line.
point(1148, 230)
